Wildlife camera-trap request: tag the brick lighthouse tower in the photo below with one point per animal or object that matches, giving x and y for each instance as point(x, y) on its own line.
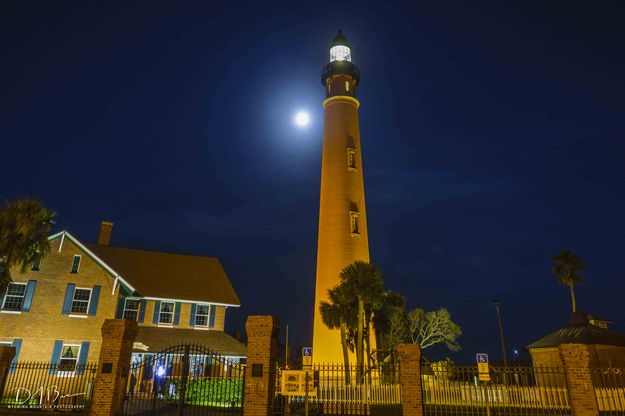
point(342, 216)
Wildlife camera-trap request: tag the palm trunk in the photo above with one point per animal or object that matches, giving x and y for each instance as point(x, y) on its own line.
point(368, 343)
point(359, 340)
point(345, 351)
point(573, 303)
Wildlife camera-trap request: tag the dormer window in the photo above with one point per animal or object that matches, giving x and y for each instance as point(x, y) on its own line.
point(76, 263)
point(340, 53)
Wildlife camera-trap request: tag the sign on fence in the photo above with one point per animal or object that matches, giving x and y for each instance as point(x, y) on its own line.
point(294, 383)
point(307, 357)
point(482, 366)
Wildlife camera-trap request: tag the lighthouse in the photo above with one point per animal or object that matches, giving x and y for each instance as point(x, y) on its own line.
point(342, 237)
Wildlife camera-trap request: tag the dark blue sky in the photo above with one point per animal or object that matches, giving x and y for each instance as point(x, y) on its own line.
point(492, 133)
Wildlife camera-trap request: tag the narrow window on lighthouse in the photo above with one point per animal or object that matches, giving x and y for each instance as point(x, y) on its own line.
point(351, 158)
point(347, 86)
point(355, 223)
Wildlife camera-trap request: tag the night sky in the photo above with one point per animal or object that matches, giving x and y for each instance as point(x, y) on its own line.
point(493, 136)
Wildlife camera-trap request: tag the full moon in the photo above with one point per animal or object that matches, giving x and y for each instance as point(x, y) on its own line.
point(302, 119)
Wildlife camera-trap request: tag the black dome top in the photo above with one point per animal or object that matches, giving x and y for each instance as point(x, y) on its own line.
point(340, 39)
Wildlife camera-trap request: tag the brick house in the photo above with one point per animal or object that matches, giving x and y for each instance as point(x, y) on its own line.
point(606, 347)
point(54, 312)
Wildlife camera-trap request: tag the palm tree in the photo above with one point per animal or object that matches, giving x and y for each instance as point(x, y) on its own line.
point(24, 228)
point(568, 270)
point(335, 315)
point(363, 281)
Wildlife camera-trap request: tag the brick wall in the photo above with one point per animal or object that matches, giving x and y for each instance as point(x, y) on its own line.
point(410, 379)
point(44, 323)
point(576, 361)
point(110, 383)
point(185, 316)
point(599, 356)
point(262, 347)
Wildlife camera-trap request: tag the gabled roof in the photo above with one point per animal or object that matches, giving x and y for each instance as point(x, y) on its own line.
point(160, 275)
point(157, 339)
point(580, 331)
point(64, 234)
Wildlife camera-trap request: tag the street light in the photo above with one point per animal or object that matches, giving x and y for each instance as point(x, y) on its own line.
point(503, 344)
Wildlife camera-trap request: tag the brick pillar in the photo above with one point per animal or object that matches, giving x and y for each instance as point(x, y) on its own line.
point(6, 356)
point(260, 371)
point(118, 336)
point(410, 379)
point(576, 360)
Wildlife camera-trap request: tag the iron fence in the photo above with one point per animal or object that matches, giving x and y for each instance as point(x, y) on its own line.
point(457, 390)
point(41, 385)
point(345, 390)
point(185, 380)
point(609, 386)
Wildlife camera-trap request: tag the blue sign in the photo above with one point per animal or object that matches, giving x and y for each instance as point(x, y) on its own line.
point(481, 358)
point(307, 352)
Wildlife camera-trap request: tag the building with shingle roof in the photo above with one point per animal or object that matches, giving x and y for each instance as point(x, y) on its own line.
point(54, 312)
point(606, 347)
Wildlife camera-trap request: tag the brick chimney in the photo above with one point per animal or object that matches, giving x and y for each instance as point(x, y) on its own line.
point(106, 228)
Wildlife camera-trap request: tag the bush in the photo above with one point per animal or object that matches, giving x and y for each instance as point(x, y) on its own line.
point(205, 392)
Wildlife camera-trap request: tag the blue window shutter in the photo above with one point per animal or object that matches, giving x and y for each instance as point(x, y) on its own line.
point(142, 303)
point(17, 343)
point(82, 357)
point(157, 309)
point(28, 296)
point(69, 296)
point(119, 314)
point(177, 314)
point(56, 355)
point(192, 320)
point(93, 305)
point(211, 318)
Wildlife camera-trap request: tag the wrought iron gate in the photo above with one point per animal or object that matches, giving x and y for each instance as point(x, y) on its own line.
point(184, 380)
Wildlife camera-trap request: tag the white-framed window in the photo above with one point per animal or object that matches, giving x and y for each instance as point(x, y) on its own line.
point(76, 263)
point(14, 298)
point(80, 302)
point(201, 315)
point(131, 309)
point(354, 219)
point(351, 158)
point(166, 313)
point(69, 357)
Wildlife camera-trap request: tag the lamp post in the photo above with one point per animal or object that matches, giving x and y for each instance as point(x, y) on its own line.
point(503, 344)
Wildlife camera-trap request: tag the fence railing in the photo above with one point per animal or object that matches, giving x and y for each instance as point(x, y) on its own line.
point(455, 389)
point(609, 386)
point(345, 390)
point(41, 385)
